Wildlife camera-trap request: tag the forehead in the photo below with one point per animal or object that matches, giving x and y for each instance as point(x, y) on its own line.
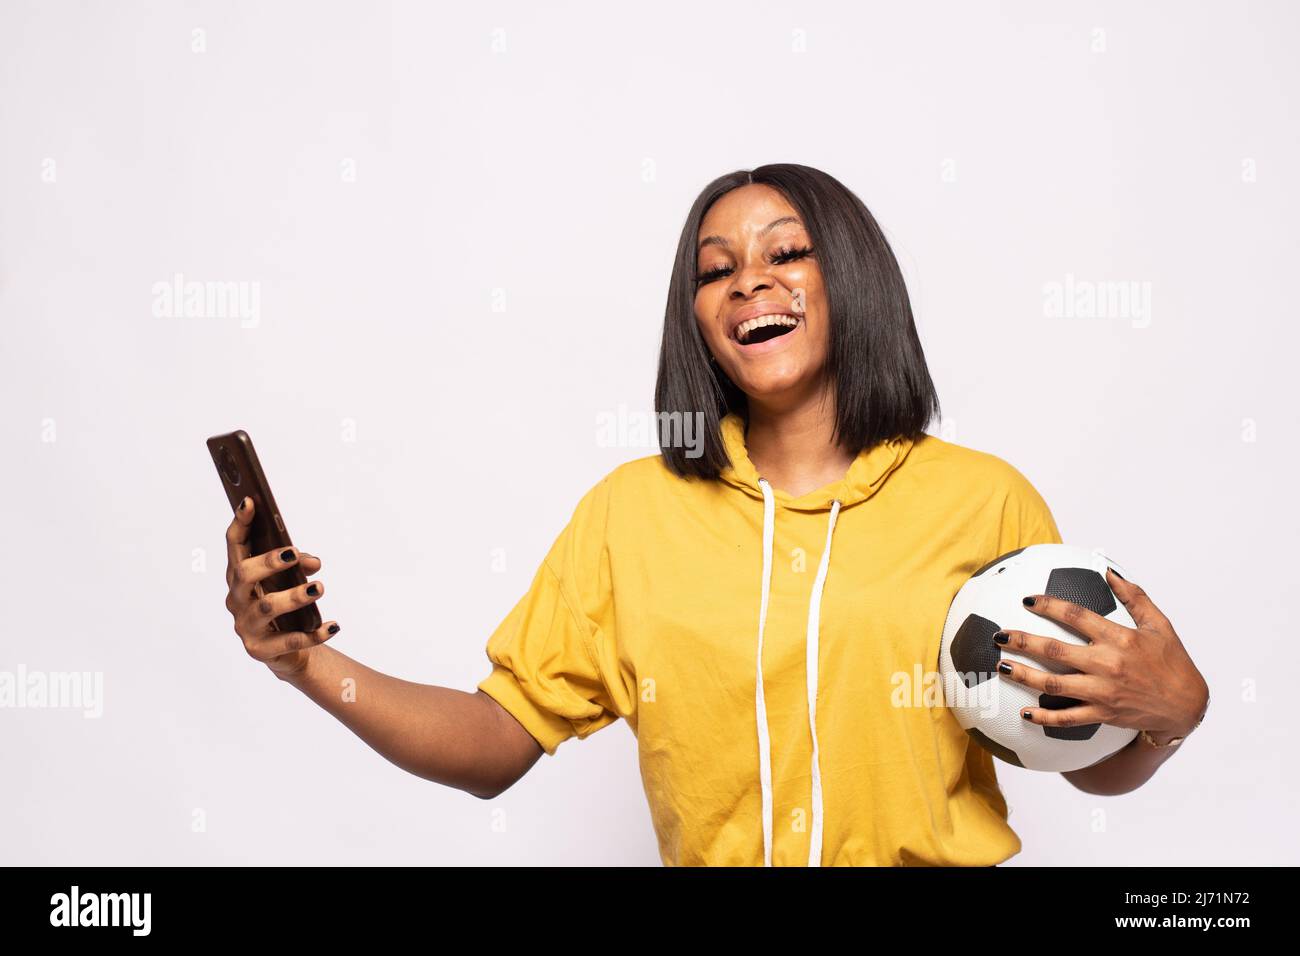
point(746, 209)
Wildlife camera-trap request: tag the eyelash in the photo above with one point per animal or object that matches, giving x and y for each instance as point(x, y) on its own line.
point(785, 255)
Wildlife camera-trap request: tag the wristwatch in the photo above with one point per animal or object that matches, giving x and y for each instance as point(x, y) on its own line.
point(1175, 741)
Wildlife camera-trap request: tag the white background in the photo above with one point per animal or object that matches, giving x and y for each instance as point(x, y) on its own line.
point(493, 279)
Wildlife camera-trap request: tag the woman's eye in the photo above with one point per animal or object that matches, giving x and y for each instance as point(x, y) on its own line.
point(789, 255)
point(715, 273)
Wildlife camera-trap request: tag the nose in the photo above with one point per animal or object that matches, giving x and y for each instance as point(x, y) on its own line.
point(749, 283)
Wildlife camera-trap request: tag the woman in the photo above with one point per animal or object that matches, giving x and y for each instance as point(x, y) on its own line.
point(748, 598)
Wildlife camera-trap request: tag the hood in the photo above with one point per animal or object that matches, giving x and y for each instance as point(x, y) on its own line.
point(863, 479)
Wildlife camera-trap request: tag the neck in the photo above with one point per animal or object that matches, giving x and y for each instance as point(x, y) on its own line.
point(792, 447)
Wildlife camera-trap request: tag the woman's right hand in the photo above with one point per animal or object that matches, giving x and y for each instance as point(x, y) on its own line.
point(254, 610)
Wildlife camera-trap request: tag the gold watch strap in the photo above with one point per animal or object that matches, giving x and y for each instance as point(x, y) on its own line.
point(1175, 741)
point(1151, 741)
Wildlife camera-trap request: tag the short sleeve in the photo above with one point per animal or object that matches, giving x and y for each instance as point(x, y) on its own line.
point(546, 655)
point(1026, 519)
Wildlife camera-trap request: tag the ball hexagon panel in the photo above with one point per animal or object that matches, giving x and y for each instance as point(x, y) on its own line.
point(1080, 732)
point(974, 654)
point(1081, 586)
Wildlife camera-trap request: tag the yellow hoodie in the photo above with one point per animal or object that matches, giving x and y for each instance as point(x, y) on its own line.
point(652, 605)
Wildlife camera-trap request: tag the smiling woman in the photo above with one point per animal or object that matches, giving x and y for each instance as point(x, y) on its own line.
point(695, 595)
point(749, 250)
point(747, 601)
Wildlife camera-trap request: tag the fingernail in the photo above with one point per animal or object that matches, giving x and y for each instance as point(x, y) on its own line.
point(1028, 602)
point(286, 555)
point(243, 503)
point(1004, 667)
point(333, 629)
point(1025, 714)
point(1120, 576)
point(312, 590)
point(1001, 637)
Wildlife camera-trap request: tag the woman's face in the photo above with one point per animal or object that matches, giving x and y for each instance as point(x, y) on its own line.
point(755, 260)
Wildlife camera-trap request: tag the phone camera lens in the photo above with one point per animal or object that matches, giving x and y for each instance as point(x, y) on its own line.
point(228, 465)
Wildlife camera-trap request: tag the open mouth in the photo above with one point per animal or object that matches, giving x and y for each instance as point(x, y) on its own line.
point(764, 328)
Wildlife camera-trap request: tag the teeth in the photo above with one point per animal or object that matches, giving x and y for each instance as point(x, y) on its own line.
point(745, 328)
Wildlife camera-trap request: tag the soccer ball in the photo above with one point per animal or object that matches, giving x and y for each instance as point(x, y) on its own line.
point(988, 704)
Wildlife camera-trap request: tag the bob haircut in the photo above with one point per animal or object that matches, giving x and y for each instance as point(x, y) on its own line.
point(882, 385)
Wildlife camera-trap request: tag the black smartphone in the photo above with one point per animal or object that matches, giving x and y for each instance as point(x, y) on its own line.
point(242, 477)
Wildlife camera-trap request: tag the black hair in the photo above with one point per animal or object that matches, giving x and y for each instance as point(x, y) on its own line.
point(883, 388)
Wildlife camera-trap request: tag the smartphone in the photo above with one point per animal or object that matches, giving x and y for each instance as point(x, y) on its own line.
point(242, 477)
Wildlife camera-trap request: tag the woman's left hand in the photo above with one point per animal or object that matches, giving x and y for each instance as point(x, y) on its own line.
point(1137, 677)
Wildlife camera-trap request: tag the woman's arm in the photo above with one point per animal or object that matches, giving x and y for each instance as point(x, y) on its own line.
point(1128, 768)
point(462, 740)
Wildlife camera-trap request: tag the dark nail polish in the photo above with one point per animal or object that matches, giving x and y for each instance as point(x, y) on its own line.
point(1025, 714)
point(1028, 602)
point(312, 590)
point(333, 629)
point(1001, 637)
point(286, 555)
point(1120, 576)
point(1004, 667)
point(243, 504)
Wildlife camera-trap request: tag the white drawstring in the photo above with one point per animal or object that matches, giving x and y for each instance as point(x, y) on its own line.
point(760, 705)
point(812, 668)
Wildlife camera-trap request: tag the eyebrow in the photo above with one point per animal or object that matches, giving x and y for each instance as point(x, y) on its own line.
point(719, 241)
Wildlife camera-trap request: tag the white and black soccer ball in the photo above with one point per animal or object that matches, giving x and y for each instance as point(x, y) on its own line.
point(988, 704)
